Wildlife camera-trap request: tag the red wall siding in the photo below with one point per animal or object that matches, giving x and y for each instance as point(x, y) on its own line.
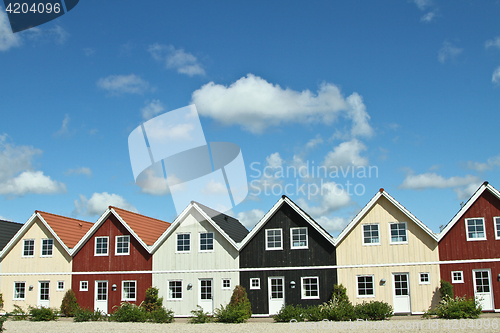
point(85, 261)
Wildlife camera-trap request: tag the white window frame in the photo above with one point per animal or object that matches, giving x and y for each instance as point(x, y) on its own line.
point(177, 242)
point(19, 298)
point(252, 287)
point(199, 241)
point(267, 243)
point(420, 278)
point(24, 243)
point(467, 229)
point(363, 234)
point(461, 277)
point(107, 246)
point(51, 248)
point(81, 286)
point(496, 227)
point(222, 283)
point(406, 233)
point(357, 286)
point(168, 291)
point(291, 239)
point(63, 284)
point(302, 289)
point(123, 291)
point(116, 245)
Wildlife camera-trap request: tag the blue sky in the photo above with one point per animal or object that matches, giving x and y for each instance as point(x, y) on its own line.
point(410, 89)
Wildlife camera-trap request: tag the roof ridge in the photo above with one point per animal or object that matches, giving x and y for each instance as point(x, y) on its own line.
point(142, 215)
point(66, 217)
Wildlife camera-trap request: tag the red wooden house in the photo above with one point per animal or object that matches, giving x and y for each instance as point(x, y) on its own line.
point(112, 263)
point(469, 249)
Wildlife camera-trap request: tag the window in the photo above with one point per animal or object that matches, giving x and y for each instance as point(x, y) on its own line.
point(299, 238)
point(457, 277)
point(226, 283)
point(101, 246)
point(60, 285)
point(19, 290)
point(365, 286)
point(371, 234)
point(254, 283)
point(274, 239)
point(84, 285)
point(122, 245)
point(29, 248)
point(206, 241)
point(183, 242)
point(497, 227)
point(475, 229)
point(129, 290)
point(424, 278)
point(310, 287)
point(398, 233)
point(47, 245)
point(175, 290)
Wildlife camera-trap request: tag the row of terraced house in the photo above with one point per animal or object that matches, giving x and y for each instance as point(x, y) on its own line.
point(385, 253)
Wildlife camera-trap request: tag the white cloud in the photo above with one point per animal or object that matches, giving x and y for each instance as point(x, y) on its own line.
point(152, 109)
point(159, 130)
point(433, 180)
point(347, 154)
point(99, 202)
point(183, 62)
point(214, 188)
point(482, 167)
point(17, 176)
point(270, 174)
point(464, 193)
point(64, 127)
point(80, 171)
point(256, 104)
point(250, 218)
point(429, 17)
point(121, 84)
point(8, 39)
point(88, 51)
point(332, 197)
point(448, 51)
point(314, 142)
point(493, 43)
point(495, 78)
point(43, 35)
point(274, 160)
point(332, 224)
point(423, 4)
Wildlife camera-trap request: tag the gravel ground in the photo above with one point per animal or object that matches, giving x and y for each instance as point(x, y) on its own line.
point(396, 324)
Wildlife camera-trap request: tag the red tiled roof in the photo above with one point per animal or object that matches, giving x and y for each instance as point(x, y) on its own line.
point(69, 230)
point(147, 228)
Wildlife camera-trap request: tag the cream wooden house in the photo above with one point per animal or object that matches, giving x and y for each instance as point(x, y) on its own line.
point(386, 254)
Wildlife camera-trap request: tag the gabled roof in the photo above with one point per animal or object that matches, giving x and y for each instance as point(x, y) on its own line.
point(370, 204)
point(7, 230)
point(485, 186)
point(285, 200)
point(206, 213)
point(144, 229)
point(66, 231)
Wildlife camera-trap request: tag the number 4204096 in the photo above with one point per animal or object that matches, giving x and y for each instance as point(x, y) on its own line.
point(24, 8)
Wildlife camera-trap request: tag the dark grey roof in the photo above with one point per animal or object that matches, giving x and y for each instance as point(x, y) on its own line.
point(7, 231)
point(231, 226)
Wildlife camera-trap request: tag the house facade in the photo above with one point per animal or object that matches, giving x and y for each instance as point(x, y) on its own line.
point(287, 258)
point(112, 263)
point(195, 262)
point(386, 254)
point(36, 263)
point(469, 249)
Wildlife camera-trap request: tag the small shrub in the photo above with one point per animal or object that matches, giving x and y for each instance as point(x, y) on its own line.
point(152, 301)
point(82, 315)
point(2, 320)
point(240, 298)
point(42, 314)
point(340, 293)
point(1, 301)
point(128, 312)
point(199, 317)
point(373, 310)
point(232, 313)
point(18, 313)
point(69, 305)
point(314, 313)
point(456, 308)
point(161, 316)
point(446, 289)
point(289, 312)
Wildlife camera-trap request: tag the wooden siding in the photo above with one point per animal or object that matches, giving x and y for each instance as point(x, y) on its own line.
point(454, 245)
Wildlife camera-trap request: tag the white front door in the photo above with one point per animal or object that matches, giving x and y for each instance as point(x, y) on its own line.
point(44, 293)
point(482, 288)
point(206, 295)
point(401, 293)
point(101, 296)
point(276, 287)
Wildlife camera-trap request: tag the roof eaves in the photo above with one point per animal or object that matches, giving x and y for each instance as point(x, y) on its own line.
point(90, 232)
point(170, 229)
point(18, 236)
point(132, 232)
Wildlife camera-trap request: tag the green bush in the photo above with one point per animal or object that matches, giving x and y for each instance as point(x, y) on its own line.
point(240, 298)
point(314, 313)
point(341, 311)
point(128, 312)
point(42, 314)
point(152, 301)
point(69, 305)
point(456, 308)
point(289, 312)
point(373, 310)
point(161, 316)
point(340, 293)
point(232, 313)
point(446, 289)
point(199, 317)
point(82, 315)
point(18, 313)
point(1, 301)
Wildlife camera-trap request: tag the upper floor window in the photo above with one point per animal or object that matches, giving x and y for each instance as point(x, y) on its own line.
point(29, 248)
point(122, 245)
point(183, 242)
point(475, 229)
point(47, 245)
point(207, 241)
point(497, 227)
point(274, 239)
point(371, 234)
point(398, 233)
point(299, 238)
point(101, 246)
